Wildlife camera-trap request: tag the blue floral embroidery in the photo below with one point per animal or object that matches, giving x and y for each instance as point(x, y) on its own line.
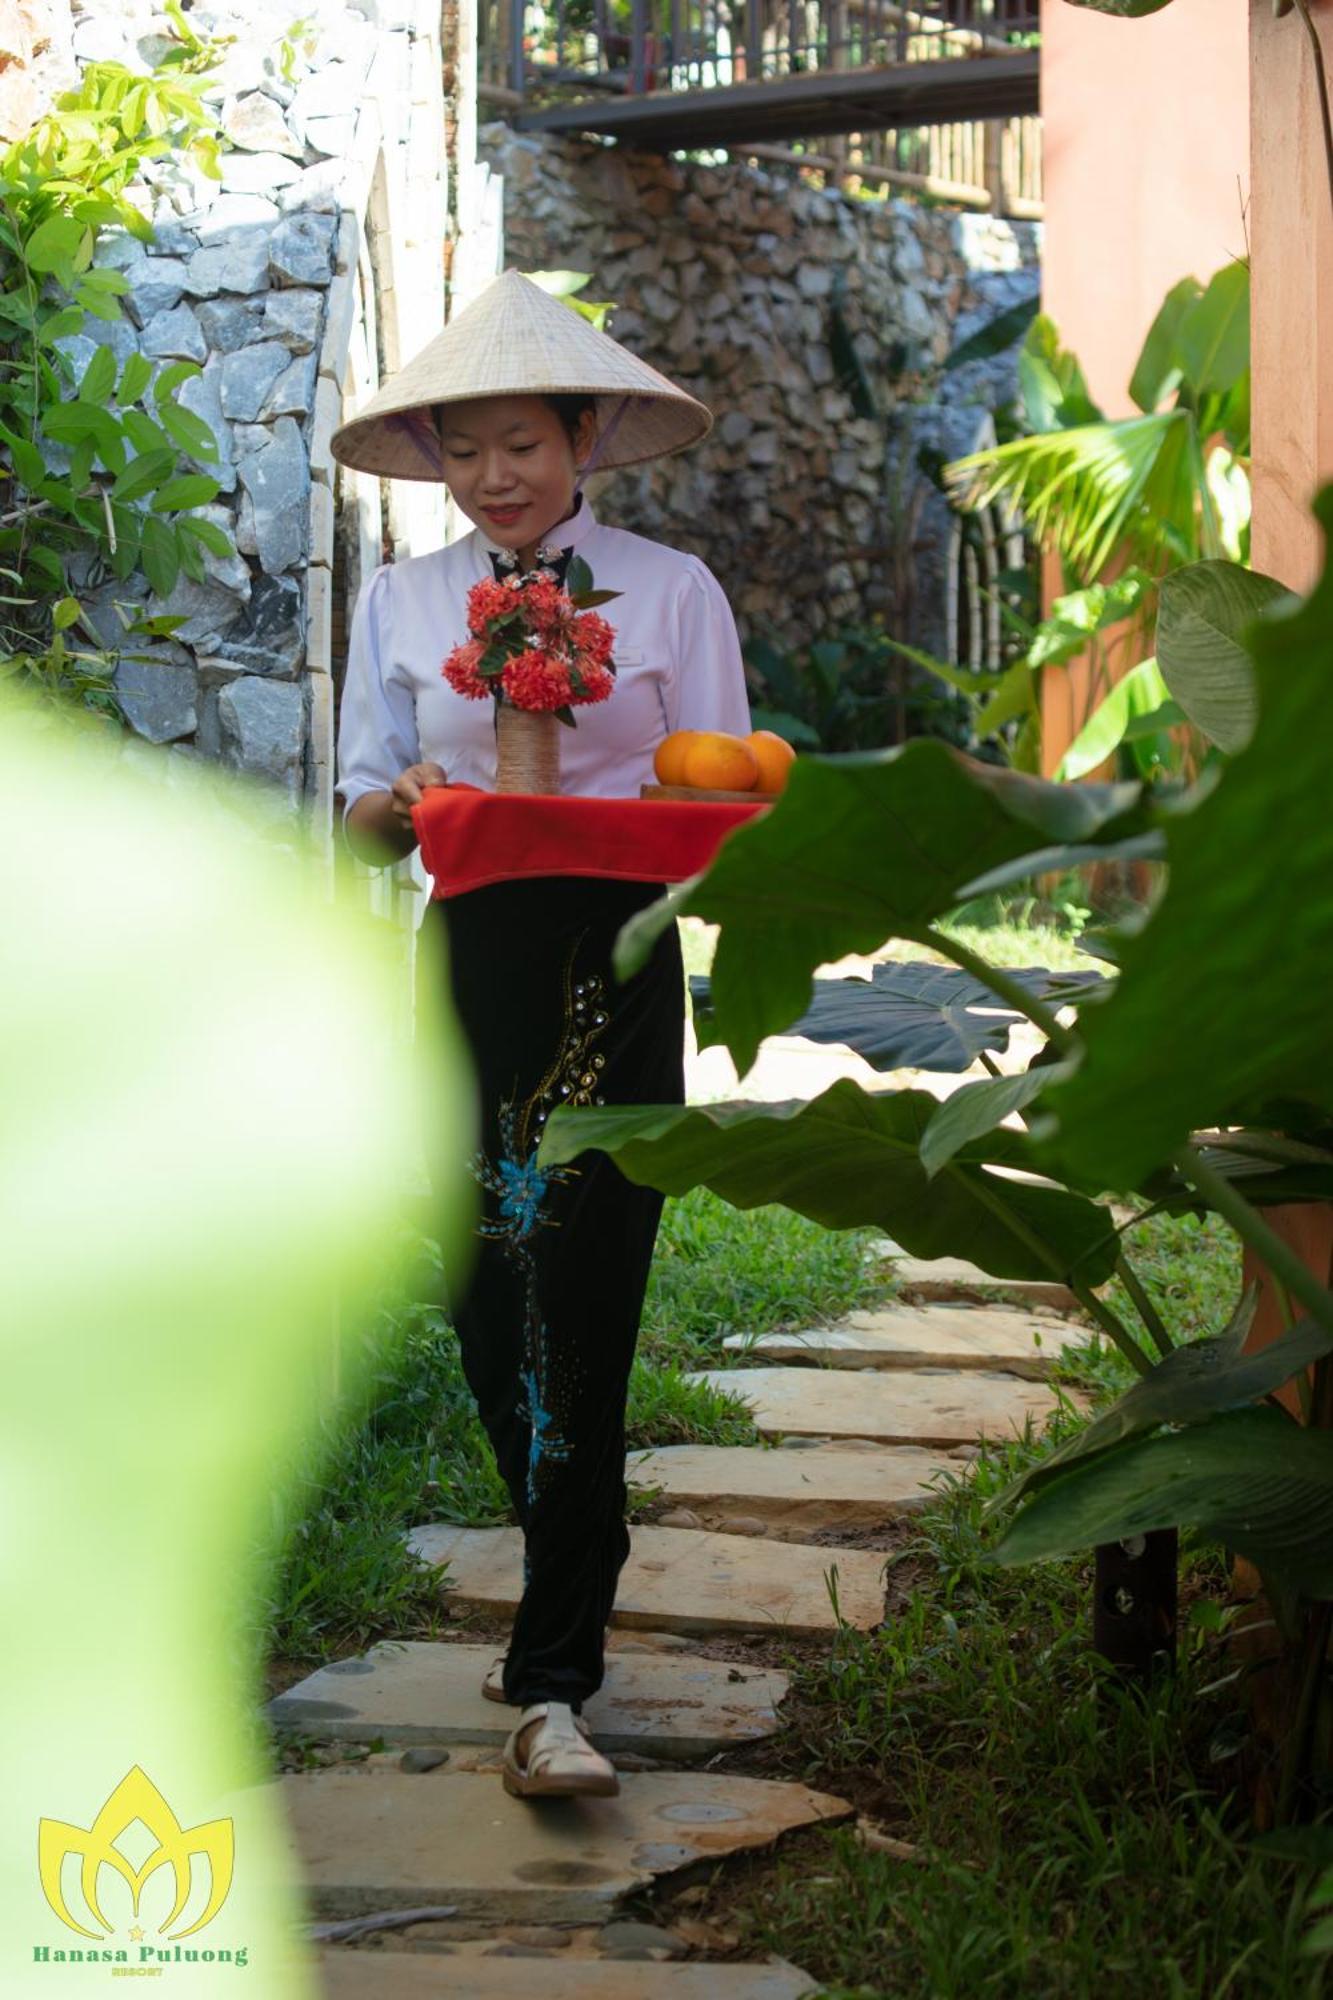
point(519, 1183)
point(546, 1443)
point(521, 1189)
point(524, 1186)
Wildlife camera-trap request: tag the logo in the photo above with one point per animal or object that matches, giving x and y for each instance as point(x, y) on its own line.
point(136, 1800)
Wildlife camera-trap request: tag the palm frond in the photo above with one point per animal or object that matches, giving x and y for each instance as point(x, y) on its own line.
point(1126, 488)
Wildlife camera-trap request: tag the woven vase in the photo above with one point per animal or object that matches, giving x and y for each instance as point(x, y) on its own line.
point(527, 750)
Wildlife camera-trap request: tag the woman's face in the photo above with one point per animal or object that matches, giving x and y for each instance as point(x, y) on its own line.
point(510, 465)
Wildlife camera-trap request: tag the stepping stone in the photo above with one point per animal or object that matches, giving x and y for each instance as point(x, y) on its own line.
point(680, 1578)
point(899, 1406)
point(830, 1485)
point(955, 1278)
point(416, 1691)
point(939, 1336)
point(403, 1975)
point(383, 1840)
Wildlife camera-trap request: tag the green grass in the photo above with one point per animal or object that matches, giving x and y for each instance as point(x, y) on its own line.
point(1071, 1837)
point(1009, 931)
point(721, 1270)
point(1191, 1267)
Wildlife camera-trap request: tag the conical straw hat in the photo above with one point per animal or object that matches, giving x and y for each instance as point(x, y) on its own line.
point(516, 339)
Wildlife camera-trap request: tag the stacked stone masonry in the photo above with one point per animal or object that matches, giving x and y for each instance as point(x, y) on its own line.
point(725, 277)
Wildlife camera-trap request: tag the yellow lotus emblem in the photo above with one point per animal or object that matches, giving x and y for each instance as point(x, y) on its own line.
point(136, 1797)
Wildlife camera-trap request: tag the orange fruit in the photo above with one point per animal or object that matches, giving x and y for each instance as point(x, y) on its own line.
point(775, 756)
point(669, 757)
point(716, 762)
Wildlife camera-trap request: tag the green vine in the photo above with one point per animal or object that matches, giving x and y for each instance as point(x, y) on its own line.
point(91, 459)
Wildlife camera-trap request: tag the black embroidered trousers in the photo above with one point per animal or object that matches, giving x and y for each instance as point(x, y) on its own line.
point(548, 1315)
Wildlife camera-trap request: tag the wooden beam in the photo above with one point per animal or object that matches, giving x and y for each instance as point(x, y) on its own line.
point(819, 102)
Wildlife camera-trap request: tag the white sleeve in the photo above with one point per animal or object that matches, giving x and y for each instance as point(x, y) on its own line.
point(708, 685)
point(377, 722)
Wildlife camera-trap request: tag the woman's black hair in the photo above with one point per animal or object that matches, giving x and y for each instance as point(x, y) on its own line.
point(570, 409)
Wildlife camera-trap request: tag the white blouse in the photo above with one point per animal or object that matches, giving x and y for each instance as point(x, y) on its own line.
point(677, 654)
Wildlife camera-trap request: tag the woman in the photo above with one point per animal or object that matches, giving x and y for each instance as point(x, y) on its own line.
point(511, 406)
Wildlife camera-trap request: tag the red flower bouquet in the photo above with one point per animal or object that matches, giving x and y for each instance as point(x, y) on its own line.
point(534, 645)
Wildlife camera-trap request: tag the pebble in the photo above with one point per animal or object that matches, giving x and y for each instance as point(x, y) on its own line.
point(656, 1642)
point(627, 1939)
point(423, 1757)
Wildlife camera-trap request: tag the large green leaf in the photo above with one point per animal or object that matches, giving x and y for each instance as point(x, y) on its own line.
point(1213, 338)
point(1128, 10)
point(1141, 693)
point(1157, 370)
point(53, 245)
point(1223, 995)
point(860, 848)
point(1078, 617)
point(1051, 382)
point(978, 1109)
point(1252, 1479)
point(997, 336)
point(908, 1016)
point(190, 432)
point(1202, 613)
point(99, 376)
point(1016, 695)
point(143, 474)
point(1195, 1382)
point(846, 1158)
point(970, 681)
point(1149, 846)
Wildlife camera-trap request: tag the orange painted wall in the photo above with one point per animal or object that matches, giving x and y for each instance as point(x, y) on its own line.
point(1147, 164)
point(1147, 170)
point(1292, 273)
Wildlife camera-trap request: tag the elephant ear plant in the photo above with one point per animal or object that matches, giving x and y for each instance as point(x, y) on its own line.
point(1196, 1077)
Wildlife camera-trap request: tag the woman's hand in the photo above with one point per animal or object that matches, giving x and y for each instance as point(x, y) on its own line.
point(406, 790)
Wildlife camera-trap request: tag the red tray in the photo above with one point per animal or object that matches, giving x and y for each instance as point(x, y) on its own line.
point(470, 838)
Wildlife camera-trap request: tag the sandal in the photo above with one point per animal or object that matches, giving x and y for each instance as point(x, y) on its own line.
point(562, 1762)
point(493, 1686)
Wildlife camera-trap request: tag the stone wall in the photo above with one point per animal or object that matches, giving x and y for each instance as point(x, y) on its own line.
point(36, 60)
point(725, 278)
point(295, 282)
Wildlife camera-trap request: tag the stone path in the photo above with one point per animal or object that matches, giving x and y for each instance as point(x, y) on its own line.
point(652, 1704)
point(549, 1975)
point(507, 1898)
point(742, 1489)
point(678, 1581)
point(955, 1279)
point(1021, 1343)
point(371, 1838)
point(942, 1406)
